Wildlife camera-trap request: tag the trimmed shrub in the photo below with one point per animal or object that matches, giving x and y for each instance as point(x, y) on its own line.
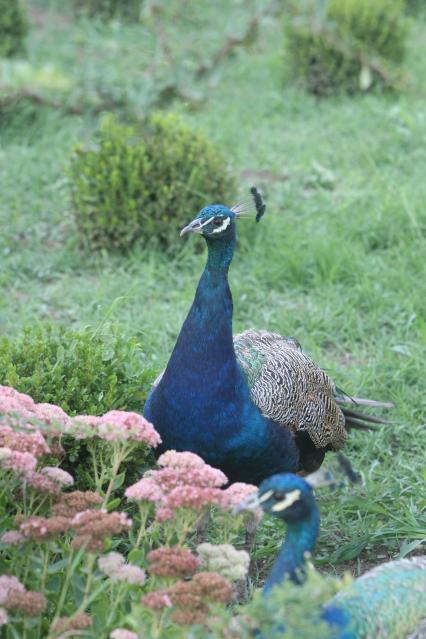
point(83, 372)
point(13, 28)
point(108, 9)
point(142, 182)
point(352, 45)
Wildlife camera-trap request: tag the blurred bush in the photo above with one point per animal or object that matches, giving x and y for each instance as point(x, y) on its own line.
point(13, 28)
point(108, 9)
point(347, 45)
point(143, 182)
point(81, 371)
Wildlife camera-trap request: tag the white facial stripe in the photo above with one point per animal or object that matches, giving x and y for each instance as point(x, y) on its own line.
point(266, 496)
point(206, 222)
point(226, 223)
point(290, 498)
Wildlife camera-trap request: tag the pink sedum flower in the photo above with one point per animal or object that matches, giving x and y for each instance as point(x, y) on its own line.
point(12, 537)
point(194, 497)
point(236, 493)
point(122, 633)
point(114, 565)
point(111, 562)
point(180, 460)
point(58, 475)
point(52, 414)
point(8, 583)
point(17, 462)
point(130, 574)
point(12, 401)
point(164, 514)
point(118, 425)
point(145, 489)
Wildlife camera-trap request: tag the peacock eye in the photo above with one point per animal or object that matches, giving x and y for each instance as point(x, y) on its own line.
point(279, 495)
point(217, 221)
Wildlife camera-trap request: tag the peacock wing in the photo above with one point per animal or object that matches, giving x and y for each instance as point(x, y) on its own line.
point(289, 388)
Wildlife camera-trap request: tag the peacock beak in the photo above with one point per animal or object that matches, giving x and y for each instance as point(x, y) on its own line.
point(252, 503)
point(193, 227)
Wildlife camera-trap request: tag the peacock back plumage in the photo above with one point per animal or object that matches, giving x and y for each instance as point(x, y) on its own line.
point(290, 388)
point(388, 601)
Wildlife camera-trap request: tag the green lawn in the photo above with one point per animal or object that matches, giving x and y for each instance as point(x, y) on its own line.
point(338, 261)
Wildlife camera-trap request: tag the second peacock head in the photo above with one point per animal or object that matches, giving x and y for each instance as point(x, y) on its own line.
point(217, 221)
point(213, 222)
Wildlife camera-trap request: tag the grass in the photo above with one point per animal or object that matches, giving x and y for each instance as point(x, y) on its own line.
point(338, 261)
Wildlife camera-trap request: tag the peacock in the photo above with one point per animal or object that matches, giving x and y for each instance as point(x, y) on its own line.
point(252, 405)
point(387, 602)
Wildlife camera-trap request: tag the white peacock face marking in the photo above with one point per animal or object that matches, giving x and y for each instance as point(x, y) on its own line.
point(226, 222)
point(288, 501)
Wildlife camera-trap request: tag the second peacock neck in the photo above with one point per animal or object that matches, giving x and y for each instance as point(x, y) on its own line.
point(300, 539)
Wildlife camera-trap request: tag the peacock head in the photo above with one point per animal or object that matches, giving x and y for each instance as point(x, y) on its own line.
point(217, 221)
point(285, 495)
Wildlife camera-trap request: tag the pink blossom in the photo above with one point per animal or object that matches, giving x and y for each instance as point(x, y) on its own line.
point(164, 514)
point(11, 401)
point(236, 493)
point(122, 425)
point(157, 600)
point(7, 583)
point(33, 442)
point(195, 497)
point(17, 462)
point(58, 475)
point(42, 483)
point(180, 460)
point(122, 633)
point(12, 537)
point(4, 619)
point(144, 489)
point(51, 414)
point(130, 574)
point(5, 453)
point(111, 562)
point(169, 478)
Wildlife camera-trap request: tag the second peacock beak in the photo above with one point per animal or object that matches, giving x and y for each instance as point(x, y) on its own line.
point(193, 227)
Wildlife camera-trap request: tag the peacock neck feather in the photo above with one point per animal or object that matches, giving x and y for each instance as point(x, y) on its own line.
point(203, 402)
point(300, 540)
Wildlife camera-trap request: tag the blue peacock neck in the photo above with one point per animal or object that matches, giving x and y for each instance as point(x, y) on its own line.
point(300, 539)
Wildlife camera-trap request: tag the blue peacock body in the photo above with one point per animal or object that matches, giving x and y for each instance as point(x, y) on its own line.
point(388, 602)
point(251, 405)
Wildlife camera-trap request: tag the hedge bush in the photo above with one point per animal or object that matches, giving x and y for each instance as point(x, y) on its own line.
point(13, 28)
point(144, 181)
point(108, 9)
point(83, 372)
point(352, 45)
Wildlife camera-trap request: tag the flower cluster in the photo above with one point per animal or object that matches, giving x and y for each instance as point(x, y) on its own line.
point(190, 599)
point(93, 526)
point(172, 562)
point(69, 504)
point(115, 425)
point(225, 560)
point(184, 481)
point(67, 624)
point(14, 596)
point(114, 565)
